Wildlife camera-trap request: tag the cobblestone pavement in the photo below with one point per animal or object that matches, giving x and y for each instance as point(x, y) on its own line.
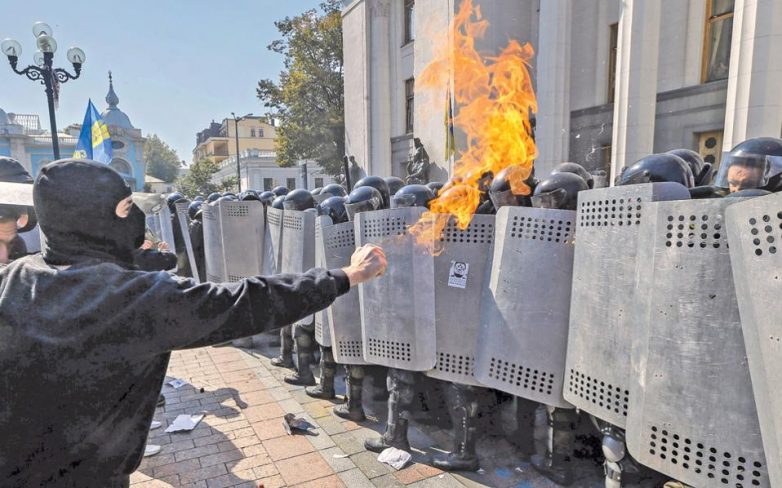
point(241, 441)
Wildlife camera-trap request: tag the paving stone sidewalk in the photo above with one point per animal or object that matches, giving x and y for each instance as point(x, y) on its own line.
point(241, 441)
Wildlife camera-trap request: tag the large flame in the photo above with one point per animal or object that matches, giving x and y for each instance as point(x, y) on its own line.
point(493, 101)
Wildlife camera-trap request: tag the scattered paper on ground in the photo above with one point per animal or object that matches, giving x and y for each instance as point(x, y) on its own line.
point(185, 423)
point(177, 383)
point(396, 458)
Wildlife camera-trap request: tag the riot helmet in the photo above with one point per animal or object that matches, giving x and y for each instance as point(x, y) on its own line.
point(212, 197)
point(334, 208)
point(435, 186)
point(12, 171)
point(394, 184)
point(267, 197)
point(193, 208)
point(363, 199)
point(331, 190)
point(500, 192)
point(199, 198)
point(249, 195)
point(279, 191)
point(225, 198)
point(413, 196)
point(754, 163)
point(299, 199)
point(278, 202)
point(172, 198)
point(316, 191)
point(701, 170)
point(577, 169)
point(658, 168)
point(229, 194)
point(559, 191)
point(378, 184)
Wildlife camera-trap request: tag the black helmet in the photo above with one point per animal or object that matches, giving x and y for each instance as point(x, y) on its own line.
point(754, 163)
point(278, 202)
point(435, 186)
point(279, 191)
point(701, 170)
point(559, 190)
point(331, 190)
point(193, 208)
point(334, 207)
point(657, 168)
point(413, 196)
point(227, 198)
point(249, 195)
point(212, 197)
point(394, 184)
point(199, 198)
point(378, 184)
point(363, 199)
point(266, 197)
point(501, 194)
point(576, 169)
point(229, 194)
point(299, 199)
point(172, 198)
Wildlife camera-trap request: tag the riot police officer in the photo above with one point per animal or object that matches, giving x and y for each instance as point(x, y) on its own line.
point(754, 163)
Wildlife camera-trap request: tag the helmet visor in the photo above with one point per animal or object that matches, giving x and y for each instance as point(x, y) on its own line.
point(403, 200)
point(366, 206)
point(503, 199)
point(556, 199)
point(742, 172)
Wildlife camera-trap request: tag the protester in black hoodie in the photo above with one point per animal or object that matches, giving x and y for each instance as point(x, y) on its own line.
point(14, 219)
point(85, 338)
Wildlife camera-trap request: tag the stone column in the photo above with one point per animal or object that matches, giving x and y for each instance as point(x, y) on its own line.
point(552, 133)
point(754, 105)
point(635, 96)
point(379, 89)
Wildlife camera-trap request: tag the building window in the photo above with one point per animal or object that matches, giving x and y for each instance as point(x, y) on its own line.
point(318, 182)
point(290, 183)
point(718, 34)
point(252, 132)
point(268, 184)
point(409, 105)
point(613, 40)
point(409, 20)
point(710, 147)
point(260, 132)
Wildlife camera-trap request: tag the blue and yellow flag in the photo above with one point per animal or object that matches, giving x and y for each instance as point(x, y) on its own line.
point(94, 140)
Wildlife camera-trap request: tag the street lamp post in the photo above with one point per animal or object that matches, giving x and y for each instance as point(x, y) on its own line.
point(43, 71)
point(236, 134)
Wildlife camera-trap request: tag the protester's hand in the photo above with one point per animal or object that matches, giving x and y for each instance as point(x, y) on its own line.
point(367, 262)
point(147, 244)
point(162, 246)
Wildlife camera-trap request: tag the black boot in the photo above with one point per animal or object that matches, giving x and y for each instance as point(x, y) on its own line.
point(524, 435)
point(285, 359)
point(401, 393)
point(353, 409)
point(395, 436)
point(328, 369)
point(465, 409)
point(304, 341)
point(556, 465)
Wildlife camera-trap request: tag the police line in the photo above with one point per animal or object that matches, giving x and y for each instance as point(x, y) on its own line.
point(643, 308)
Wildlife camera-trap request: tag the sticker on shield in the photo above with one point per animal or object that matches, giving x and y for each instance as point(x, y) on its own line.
point(457, 277)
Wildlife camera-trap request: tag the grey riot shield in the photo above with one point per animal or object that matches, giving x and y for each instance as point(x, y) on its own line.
point(322, 328)
point(754, 235)
point(274, 237)
point(692, 414)
point(166, 229)
point(459, 284)
point(183, 219)
point(242, 234)
point(597, 374)
point(525, 311)
point(397, 309)
point(298, 250)
point(213, 244)
point(336, 244)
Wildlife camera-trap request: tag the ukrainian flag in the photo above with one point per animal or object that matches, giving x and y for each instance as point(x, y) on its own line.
point(94, 140)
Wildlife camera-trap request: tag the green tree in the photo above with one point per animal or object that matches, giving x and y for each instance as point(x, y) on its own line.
point(162, 161)
point(198, 179)
point(308, 99)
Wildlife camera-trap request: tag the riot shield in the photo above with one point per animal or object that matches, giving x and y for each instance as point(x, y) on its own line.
point(183, 219)
point(525, 310)
point(753, 233)
point(242, 234)
point(274, 237)
point(336, 244)
point(298, 250)
point(397, 309)
point(166, 229)
point(597, 373)
point(692, 414)
point(459, 283)
point(322, 328)
point(213, 244)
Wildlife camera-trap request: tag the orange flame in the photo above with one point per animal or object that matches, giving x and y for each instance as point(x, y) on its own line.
point(493, 99)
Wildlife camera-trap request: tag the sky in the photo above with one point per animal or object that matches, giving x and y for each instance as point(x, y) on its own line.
point(177, 64)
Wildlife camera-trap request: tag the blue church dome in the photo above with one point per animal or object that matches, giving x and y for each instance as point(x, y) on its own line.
point(113, 116)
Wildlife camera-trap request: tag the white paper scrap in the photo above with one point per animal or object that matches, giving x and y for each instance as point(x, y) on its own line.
point(396, 458)
point(177, 384)
point(185, 423)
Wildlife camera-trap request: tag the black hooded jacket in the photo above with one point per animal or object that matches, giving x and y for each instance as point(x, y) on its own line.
point(85, 338)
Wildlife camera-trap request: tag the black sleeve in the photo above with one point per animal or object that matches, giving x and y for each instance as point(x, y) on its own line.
point(175, 313)
point(152, 260)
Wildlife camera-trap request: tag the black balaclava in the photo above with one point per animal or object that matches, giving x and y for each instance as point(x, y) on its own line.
point(76, 202)
point(12, 171)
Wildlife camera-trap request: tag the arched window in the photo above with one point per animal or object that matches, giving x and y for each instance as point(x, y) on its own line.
point(121, 166)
